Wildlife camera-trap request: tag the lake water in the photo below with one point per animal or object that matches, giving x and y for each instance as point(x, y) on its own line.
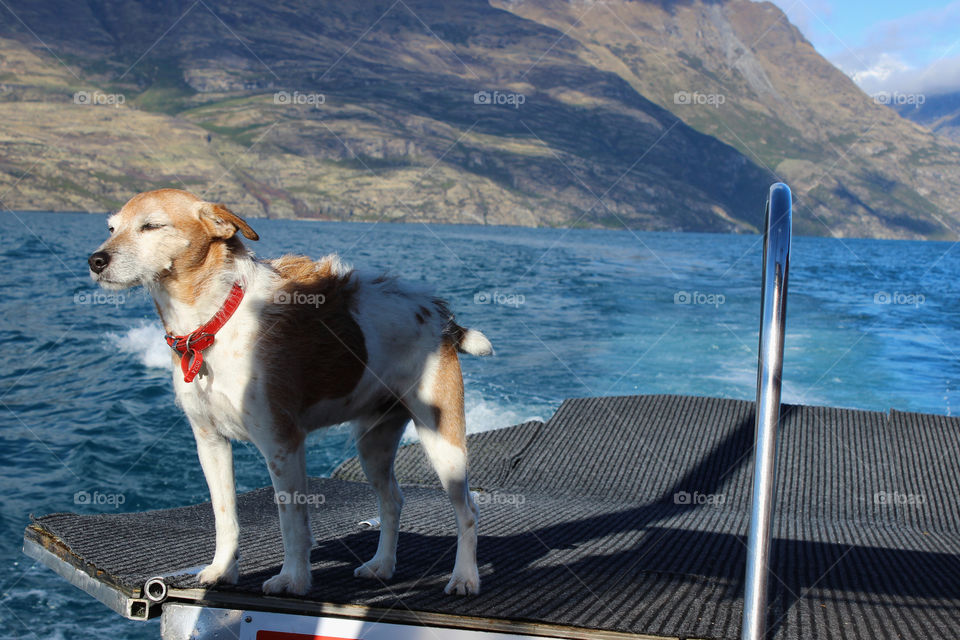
point(86, 403)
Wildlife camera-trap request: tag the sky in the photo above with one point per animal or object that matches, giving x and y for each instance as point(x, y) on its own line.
point(911, 47)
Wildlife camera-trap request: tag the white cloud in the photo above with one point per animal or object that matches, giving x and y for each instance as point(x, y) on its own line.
point(891, 75)
point(878, 76)
point(919, 53)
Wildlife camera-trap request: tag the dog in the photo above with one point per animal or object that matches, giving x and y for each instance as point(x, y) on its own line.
point(266, 351)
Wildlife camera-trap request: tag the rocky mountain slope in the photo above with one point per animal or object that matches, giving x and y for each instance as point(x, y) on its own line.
point(939, 113)
point(739, 71)
point(534, 113)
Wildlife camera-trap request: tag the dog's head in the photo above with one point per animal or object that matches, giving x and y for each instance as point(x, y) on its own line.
point(165, 233)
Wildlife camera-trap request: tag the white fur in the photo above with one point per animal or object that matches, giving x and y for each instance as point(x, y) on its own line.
point(227, 400)
point(475, 343)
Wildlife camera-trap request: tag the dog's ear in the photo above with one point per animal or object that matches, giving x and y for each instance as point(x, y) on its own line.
point(225, 222)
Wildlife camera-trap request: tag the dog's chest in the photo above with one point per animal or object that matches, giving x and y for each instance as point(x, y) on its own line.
point(224, 394)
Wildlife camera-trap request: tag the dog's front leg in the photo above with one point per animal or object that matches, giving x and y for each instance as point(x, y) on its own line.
point(216, 459)
point(286, 461)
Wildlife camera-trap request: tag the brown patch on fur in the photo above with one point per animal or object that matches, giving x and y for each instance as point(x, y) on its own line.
point(301, 270)
point(312, 347)
point(195, 269)
point(448, 398)
point(167, 199)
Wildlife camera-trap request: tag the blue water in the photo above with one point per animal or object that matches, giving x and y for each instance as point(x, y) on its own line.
point(86, 403)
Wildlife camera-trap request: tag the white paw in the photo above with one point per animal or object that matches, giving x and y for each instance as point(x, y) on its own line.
point(381, 568)
point(219, 574)
point(464, 582)
point(288, 582)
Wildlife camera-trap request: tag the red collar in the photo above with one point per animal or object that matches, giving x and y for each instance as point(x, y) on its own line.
point(191, 346)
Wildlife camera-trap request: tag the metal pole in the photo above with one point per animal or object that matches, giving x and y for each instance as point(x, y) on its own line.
point(773, 303)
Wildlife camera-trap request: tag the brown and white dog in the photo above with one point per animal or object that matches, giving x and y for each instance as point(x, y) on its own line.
point(309, 344)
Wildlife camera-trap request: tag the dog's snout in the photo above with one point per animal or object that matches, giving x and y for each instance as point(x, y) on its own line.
point(98, 261)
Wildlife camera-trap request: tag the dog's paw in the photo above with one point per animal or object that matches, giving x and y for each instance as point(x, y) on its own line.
point(464, 583)
point(381, 568)
point(286, 582)
point(219, 574)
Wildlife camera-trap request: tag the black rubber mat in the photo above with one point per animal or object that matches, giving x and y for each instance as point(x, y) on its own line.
point(493, 457)
point(626, 514)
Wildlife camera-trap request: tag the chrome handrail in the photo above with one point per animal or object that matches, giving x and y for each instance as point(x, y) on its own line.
point(773, 304)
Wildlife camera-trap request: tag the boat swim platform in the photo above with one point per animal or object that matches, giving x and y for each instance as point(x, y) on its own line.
point(619, 515)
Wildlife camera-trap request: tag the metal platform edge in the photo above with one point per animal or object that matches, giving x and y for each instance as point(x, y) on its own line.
point(43, 546)
point(53, 553)
point(224, 601)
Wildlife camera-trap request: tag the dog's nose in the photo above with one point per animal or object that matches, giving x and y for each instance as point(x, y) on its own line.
point(98, 261)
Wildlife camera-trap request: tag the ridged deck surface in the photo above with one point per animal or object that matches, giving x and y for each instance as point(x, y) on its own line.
point(626, 514)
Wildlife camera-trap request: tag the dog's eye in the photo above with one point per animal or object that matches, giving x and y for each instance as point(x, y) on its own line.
point(151, 227)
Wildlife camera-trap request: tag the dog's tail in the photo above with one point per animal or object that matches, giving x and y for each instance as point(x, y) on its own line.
point(464, 340)
point(473, 342)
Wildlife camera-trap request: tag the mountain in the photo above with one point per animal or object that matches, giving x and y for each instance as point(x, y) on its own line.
point(856, 167)
point(645, 114)
point(939, 113)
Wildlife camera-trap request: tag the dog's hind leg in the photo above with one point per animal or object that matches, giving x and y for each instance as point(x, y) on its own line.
point(286, 461)
point(377, 439)
point(216, 459)
point(441, 424)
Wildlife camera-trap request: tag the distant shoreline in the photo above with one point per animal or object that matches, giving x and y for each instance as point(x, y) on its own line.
point(517, 226)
